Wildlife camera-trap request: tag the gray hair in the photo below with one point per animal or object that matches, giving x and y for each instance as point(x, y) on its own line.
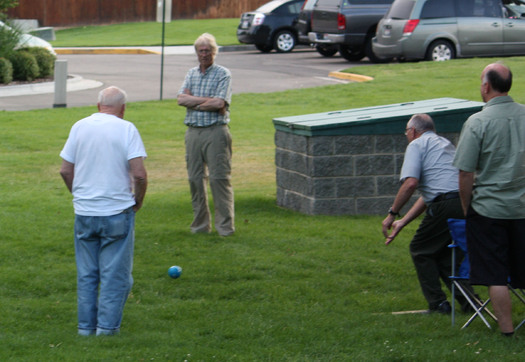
point(207, 39)
point(112, 97)
point(422, 122)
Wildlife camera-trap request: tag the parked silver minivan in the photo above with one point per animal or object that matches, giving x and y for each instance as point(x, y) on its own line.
point(446, 29)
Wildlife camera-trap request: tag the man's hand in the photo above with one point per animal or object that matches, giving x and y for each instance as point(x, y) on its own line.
point(396, 227)
point(389, 223)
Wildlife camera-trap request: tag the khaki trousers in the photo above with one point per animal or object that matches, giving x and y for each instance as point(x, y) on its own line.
point(208, 158)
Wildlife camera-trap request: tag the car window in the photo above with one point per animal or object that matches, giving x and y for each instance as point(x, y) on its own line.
point(438, 9)
point(366, 2)
point(296, 7)
point(514, 9)
point(309, 4)
point(269, 7)
point(479, 8)
point(401, 9)
point(330, 3)
point(290, 8)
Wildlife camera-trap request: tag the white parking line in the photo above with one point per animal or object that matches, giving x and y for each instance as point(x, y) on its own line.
point(334, 80)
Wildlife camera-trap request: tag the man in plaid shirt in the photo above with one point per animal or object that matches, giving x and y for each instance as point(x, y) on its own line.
point(206, 94)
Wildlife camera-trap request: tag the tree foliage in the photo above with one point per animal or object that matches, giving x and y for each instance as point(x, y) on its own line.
point(7, 4)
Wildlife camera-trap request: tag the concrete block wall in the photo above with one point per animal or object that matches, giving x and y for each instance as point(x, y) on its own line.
point(339, 175)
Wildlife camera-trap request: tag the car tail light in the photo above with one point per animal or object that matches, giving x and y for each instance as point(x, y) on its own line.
point(410, 26)
point(341, 21)
point(258, 19)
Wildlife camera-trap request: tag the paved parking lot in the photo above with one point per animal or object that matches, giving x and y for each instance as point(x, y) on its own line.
point(140, 75)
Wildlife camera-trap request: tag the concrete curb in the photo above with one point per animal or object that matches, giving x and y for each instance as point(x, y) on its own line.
point(170, 50)
point(68, 51)
point(350, 76)
point(74, 83)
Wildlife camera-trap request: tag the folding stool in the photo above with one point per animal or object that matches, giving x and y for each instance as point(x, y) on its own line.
point(461, 274)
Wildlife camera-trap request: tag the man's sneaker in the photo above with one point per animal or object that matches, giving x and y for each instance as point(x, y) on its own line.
point(443, 308)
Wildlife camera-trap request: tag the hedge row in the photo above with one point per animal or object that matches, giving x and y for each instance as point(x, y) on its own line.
point(27, 64)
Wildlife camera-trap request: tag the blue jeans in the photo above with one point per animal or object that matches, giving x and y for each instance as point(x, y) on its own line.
point(104, 257)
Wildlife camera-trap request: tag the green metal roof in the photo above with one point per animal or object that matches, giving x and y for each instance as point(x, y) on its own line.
point(449, 114)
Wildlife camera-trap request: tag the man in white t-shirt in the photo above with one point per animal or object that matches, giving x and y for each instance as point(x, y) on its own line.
point(102, 166)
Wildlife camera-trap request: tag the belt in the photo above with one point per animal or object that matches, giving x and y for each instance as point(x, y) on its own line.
point(446, 196)
point(211, 125)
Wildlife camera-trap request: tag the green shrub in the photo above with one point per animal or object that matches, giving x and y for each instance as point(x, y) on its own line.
point(44, 58)
point(6, 71)
point(25, 66)
point(9, 38)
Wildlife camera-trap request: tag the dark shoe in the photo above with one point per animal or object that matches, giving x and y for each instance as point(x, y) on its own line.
point(443, 308)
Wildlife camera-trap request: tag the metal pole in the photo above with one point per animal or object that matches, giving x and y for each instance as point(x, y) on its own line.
point(60, 84)
point(162, 52)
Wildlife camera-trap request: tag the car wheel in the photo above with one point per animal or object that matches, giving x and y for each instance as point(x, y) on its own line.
point(284, 41)
point(440, 50)
point(264, 48)
point(369, 52)
point(326, 50)
point(351, 54)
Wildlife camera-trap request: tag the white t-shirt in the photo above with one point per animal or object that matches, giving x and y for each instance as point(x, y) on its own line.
point(100, 147)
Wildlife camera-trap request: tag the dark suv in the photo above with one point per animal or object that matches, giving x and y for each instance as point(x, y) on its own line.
point(348, 24)
point(304, 26)
point(271, 26)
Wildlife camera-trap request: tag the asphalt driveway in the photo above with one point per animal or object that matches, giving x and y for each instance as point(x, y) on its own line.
point(140, 75)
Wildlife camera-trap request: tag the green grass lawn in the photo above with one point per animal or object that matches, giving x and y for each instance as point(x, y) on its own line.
point(177, 32)
point(285, 287)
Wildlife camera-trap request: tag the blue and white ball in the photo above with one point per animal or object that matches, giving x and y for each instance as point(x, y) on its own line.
point(175, 271)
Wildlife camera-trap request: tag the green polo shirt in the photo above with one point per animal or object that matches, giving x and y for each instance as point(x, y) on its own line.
point(492, 144)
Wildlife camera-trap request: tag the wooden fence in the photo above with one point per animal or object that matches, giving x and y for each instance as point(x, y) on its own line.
point(64, 13)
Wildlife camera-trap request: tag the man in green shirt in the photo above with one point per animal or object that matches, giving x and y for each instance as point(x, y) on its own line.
point(491, 159)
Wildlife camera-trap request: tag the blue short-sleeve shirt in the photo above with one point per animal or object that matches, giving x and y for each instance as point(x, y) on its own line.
point(429, 158)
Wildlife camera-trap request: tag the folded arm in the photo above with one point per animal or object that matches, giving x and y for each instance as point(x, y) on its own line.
point(206, 104)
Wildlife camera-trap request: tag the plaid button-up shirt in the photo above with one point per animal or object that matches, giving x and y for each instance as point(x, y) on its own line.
point(214, 83)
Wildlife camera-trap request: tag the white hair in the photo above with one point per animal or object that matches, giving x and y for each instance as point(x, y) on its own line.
point(207, 39)
point(112, 96)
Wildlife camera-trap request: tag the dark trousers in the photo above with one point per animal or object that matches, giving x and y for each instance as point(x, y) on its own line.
point(430, 252)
